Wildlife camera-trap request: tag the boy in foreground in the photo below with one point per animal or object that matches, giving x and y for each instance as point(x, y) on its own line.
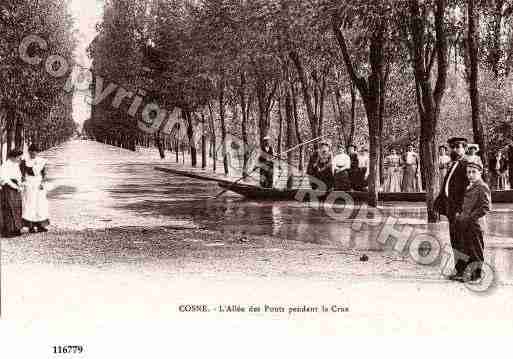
point(476, 204)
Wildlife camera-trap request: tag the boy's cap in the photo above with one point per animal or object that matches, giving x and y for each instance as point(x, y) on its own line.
point(476, 165)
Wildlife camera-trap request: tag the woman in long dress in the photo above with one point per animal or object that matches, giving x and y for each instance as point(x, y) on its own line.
point(444, 161)
point(411, 162)
point(499, 171)
point(35, 203)
point(11, 195)
point(393, 172)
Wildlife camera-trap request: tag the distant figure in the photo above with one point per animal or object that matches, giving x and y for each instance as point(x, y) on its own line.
point(411, 165)
point(266, 164)
point(11, 195)
point(499, 172)
point(353, 170)
point(35, 203)
point(476, 204)
point(472, 156)
point(510, 163)
point(341, 170)
point(444, 161)
point(362, 172)
point(321, 166)
point(393, 171)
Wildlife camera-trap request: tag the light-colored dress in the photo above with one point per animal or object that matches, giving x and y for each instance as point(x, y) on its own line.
point(35, 203)
point(444, 163)
point(410, 181)
point(394, 174)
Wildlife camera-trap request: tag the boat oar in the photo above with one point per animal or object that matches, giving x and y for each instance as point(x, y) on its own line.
point(234, 183)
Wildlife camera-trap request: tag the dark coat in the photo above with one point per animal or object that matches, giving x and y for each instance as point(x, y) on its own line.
point(452, 204)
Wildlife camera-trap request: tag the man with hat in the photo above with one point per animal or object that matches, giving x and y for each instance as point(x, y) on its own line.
point(266, 164)
point(320, 166)
point(476, 204)
point(450, 200)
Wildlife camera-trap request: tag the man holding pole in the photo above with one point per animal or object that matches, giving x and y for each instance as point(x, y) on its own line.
point(266, 164)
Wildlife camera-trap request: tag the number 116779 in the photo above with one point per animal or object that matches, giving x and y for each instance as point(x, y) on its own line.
point(68, 349)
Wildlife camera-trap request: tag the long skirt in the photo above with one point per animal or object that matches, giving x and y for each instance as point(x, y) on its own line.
point(410, 179)
point(35, 203)
point(393, 180)
point(11, 211)
point(499, 181)
point(342, 181)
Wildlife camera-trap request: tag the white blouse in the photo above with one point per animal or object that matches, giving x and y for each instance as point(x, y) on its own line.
point(10, 170)
point(37, 164)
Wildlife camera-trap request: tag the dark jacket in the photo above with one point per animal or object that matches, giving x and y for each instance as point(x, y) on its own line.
point(453, 203)
point(477, 202)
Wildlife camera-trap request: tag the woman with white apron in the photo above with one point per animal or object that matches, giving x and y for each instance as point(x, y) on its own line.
point(35, 203)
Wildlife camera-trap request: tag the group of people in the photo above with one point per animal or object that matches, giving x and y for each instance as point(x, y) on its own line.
point(342, 171)
point(23, 193)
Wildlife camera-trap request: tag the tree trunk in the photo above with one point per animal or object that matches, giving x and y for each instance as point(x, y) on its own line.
point(10, 132)
point(190, 135)
point(18, 135)
point(203, 143)
point(371, 90)
point(244, 103)
point(223, 129)
point(473, 52)
point(314, 121)
point(296, 126)
point(213, 138)
point(429, 99)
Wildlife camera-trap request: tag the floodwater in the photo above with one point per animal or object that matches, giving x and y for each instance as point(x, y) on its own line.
point(113, 183)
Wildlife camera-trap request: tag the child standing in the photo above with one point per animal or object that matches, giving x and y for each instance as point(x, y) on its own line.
point(476, 204)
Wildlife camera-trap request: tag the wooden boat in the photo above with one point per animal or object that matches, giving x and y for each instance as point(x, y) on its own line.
point(258, 193)
point(255, 192)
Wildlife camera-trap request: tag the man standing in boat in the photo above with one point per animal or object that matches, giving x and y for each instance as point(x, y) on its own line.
point(266, 164)
point(450, 200)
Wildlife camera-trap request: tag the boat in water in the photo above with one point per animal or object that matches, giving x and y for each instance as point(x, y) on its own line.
point(255, 192)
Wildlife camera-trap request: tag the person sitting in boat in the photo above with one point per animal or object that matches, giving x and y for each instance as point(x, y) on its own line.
point(393, 172)
point(353, 171)
point(362, 173)
point(341, 170)
point(320, 166)
point(266, 164)
point(411, 173)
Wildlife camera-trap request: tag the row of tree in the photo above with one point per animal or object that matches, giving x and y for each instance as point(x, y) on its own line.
point(369, 72)
point(34, 107)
